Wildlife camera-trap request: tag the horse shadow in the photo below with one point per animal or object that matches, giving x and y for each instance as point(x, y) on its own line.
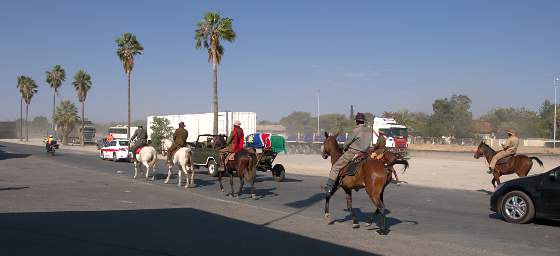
point(488, 193)
point(203, 182)
point(304, 203)
point(261, 193)
point(269, 178)
point(5, 155)
point(361, 216)
point(13, 188)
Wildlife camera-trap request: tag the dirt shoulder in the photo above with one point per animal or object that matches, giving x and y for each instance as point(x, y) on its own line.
point(459, 148)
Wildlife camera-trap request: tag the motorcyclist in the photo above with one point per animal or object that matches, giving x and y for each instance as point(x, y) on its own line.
point(49, 142)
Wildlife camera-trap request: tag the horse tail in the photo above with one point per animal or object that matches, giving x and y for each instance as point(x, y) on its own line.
point(400, 161)
point(188, 156)
point(153, 157)
point(250, 166)
point(537, 159)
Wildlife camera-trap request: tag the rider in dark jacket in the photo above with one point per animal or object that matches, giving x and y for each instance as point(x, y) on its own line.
point(141, 137)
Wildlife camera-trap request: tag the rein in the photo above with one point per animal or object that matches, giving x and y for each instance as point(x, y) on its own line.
point(487, 151)
point(336, 154)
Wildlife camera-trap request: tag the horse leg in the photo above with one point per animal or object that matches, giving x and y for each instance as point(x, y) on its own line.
point(241, 182)
point(180, 176)
point(252, 175)
point(148, 172)
point(169, 167)
point(220, 179)
point(191, 178)
point(231, 183)
point(355, 223)
point(328, 198)
point(391, 169)
point(375, 196)
point(135, 169)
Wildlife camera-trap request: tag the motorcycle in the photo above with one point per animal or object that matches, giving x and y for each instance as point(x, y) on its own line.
point(51, 148)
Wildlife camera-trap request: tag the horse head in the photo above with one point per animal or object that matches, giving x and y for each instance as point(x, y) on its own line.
point(330, 145)
point(480, 150)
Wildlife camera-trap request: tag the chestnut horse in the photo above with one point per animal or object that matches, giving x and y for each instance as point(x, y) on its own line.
point(519, 164)
point(244, 166)
point(391, 159)
point(372, 175)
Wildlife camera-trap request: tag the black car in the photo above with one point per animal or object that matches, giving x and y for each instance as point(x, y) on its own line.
point(520, 200)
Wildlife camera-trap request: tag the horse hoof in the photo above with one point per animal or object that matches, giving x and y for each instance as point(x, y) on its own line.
point(355, 225)
point(383, 232)
point(235, 196)
point(253, 196)
point(368, 224)
point(327, 215)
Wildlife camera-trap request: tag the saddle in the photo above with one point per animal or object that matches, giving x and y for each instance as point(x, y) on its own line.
point(229, 157)
point(353, 166)
point(505, 160)
point(137, 151)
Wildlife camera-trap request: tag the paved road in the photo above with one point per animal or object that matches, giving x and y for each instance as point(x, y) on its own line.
point(442, 218)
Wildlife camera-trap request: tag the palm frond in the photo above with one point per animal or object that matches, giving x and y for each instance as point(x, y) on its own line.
point(82, 83)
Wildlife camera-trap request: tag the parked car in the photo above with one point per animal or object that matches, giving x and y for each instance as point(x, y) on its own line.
point(521, 200)
point(115, 150)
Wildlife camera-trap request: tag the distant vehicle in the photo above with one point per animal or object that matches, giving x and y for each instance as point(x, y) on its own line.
point(75, 136)
point(119, 131)
point(396, 135)
point(115, 150)
point(522, 199)
point(52, 147)
point(204, 153)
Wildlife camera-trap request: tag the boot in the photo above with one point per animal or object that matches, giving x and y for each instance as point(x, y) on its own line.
point(490, 171)
point(328, 187)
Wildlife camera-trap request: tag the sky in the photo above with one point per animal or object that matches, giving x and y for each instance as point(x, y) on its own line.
point(376, 55)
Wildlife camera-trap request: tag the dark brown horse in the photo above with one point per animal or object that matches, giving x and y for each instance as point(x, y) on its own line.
point(243, 165)
point(372, 175)
point(519, 164)
point(391, 159)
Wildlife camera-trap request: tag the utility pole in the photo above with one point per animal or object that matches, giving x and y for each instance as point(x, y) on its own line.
point(318, 114)
point(556, 79)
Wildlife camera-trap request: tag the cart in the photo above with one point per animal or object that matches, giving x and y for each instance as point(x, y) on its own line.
point(267, 146)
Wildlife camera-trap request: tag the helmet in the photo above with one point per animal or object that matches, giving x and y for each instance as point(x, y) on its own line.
point(360, 117)
point(50, 136)
point(181, 124)
point(237, 123)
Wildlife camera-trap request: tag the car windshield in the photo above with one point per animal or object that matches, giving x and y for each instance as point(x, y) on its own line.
point(112, 143)
point(395, 132)
point(123, 143)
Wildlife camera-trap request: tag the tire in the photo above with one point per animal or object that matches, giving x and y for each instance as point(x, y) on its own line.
point(278, 173)
point(102, 156)
point(517, 207)
point(115, 157)
point(212, 168)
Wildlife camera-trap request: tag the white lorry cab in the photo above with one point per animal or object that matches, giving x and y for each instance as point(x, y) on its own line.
point(396, 135)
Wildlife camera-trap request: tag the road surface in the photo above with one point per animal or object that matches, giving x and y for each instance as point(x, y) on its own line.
point(76, 204)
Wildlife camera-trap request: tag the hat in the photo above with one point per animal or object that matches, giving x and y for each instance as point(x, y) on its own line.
point(237, 123)
point(510, 131)
point(181, 124)
point(360, 117)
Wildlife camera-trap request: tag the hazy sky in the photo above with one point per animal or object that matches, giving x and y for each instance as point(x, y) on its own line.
point(377, 55)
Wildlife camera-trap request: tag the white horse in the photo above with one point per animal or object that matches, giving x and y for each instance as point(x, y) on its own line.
point(147, 157)
point(181, 158)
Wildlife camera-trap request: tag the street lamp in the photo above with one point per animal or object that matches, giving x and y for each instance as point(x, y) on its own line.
point(318, 114)
point(555, 83)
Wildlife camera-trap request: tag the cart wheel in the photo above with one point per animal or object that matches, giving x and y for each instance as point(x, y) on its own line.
point(278, 173)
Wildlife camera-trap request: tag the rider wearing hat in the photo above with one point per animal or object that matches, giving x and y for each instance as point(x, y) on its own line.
point(234, 141)
point(179, 140)
point(379, 147)
point(140, 139)
point(359, 141)
point(509, 149)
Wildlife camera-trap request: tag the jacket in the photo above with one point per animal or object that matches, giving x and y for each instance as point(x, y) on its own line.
point(361, 135)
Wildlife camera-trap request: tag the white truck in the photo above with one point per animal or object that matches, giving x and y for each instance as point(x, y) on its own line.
point(119, 131)
point(199, 124)
point(395, 134)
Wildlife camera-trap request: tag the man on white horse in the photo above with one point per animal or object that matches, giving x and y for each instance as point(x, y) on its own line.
point(179, 140)
point(140, 139)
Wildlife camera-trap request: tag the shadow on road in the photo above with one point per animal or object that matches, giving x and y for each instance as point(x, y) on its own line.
point(5, 155)
point(13, 188)
point(364, 217)
point(151, 232)
point(307, 202)
point(488, 193)
point(269, 178)
point(536, 221)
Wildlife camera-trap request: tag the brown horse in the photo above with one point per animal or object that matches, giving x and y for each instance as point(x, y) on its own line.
point(391, 159)
point(372, 175)
point(519, 164)
point(243, 165)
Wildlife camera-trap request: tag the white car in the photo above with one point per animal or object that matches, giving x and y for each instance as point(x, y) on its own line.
point(115, 150)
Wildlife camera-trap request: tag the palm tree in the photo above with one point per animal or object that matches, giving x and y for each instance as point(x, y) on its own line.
point(29, 88)
point(128, 47)
point(20, 86)
point(55, 77)
point(209, 31)
point(66, 116)
point(82, 84)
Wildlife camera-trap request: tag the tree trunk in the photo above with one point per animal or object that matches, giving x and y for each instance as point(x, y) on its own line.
point(53, 107)
point(82, 130)
point(215, 98)
point(21, 119)
point(26, 124)
point(128, 128)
